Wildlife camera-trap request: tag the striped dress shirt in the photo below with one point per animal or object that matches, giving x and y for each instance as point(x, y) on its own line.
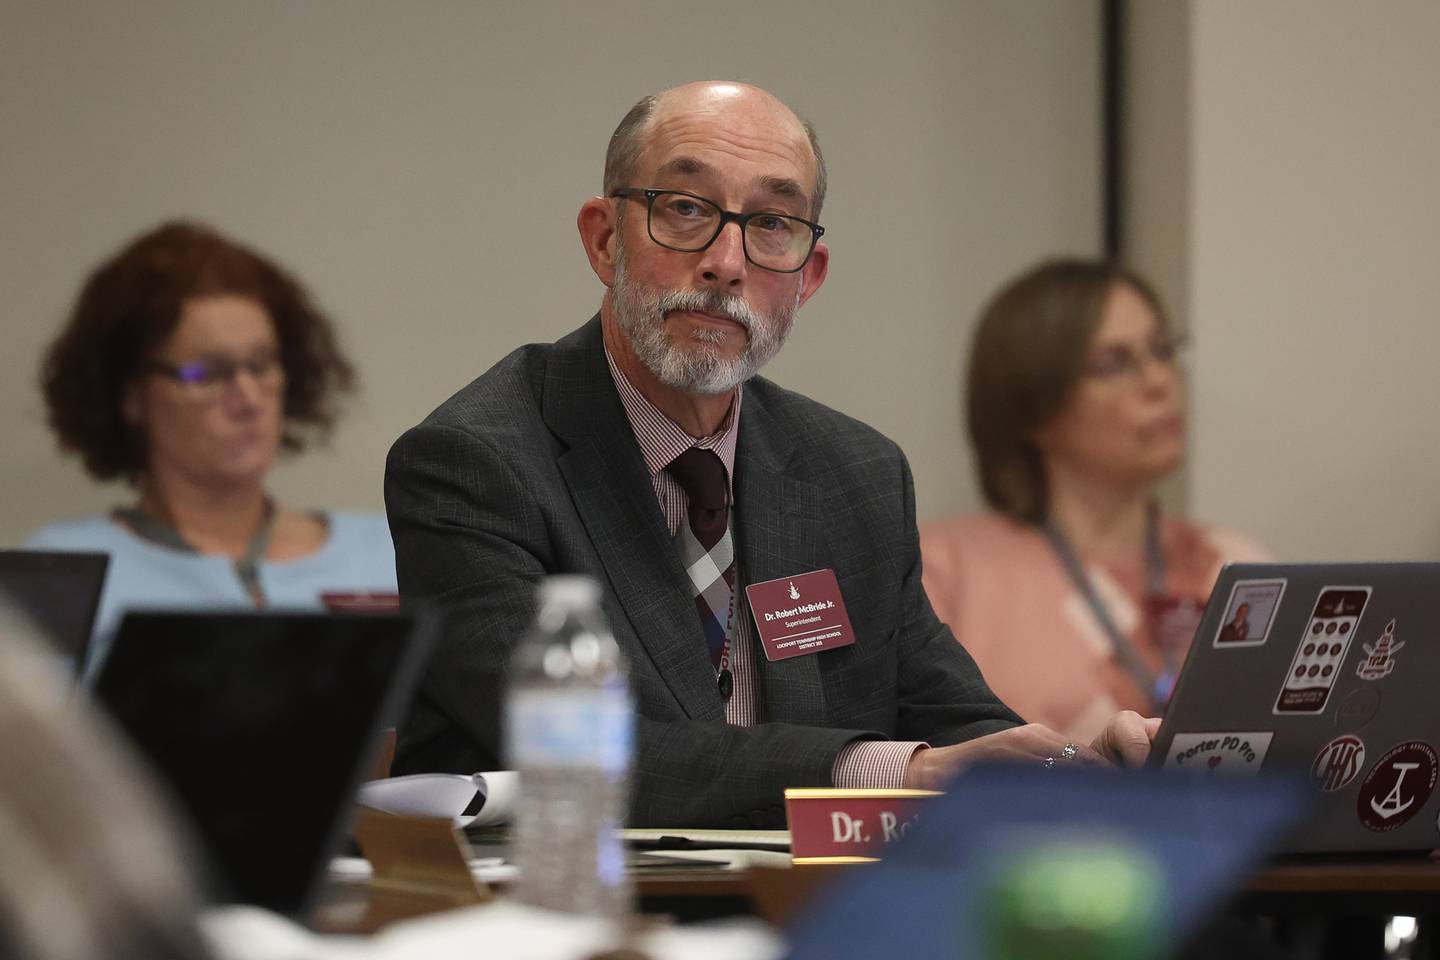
point(864, 763)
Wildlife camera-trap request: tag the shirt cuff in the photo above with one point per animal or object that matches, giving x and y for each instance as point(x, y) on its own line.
point(873, 764)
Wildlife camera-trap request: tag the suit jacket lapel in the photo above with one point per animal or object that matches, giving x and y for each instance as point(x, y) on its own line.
point(779, 532)
point(610, 486)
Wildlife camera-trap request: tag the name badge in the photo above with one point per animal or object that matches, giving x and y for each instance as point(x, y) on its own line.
point(800, 614)
point(373, 602)
point(1173, 622)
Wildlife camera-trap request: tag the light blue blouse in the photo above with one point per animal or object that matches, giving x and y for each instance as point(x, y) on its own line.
point(358, 557)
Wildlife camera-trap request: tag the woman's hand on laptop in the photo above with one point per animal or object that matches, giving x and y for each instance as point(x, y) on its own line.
point(1126, 738)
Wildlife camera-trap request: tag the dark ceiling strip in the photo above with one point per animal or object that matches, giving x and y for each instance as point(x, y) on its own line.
point(1112, 79)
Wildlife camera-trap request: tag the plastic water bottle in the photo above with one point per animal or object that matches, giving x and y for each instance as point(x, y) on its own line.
point(569, 729)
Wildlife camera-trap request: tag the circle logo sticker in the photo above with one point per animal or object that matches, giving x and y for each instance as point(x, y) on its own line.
point(1339, 762)
point(1397, 786)
point(1358, 708)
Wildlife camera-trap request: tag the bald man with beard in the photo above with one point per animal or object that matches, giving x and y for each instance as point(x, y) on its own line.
point(593, 455)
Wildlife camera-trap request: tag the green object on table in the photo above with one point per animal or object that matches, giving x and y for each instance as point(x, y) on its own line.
point(1082, 900)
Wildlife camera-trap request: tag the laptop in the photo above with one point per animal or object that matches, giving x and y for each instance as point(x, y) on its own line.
point(59, 591)
point(263, 724)
point(1328, 670)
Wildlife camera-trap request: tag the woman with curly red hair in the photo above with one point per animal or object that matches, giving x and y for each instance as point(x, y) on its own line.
point(188, 364)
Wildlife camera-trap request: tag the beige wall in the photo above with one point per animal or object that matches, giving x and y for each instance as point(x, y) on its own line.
point(1155, 146)
point(421, 164)
point(1304, 256)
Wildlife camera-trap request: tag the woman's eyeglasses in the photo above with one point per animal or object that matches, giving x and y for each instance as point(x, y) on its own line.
point(1120, 362)
point(208, 378)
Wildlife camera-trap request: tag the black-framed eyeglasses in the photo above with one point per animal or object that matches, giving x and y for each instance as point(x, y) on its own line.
point(209, 378)
point(688, 223)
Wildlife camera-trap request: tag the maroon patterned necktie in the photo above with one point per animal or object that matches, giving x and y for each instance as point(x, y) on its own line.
point(706, 549)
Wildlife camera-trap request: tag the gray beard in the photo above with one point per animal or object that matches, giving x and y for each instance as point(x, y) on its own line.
point(696, 365)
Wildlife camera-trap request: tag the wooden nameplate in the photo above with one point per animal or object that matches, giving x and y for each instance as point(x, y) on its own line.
point(421, 865)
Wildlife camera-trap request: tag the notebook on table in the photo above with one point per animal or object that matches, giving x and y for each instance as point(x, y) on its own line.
point(1328, 670)
point(59, 591)
point(262, 724)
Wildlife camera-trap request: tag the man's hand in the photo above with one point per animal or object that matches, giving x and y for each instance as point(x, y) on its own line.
point(1124, 742)
point(1126, 738)
point(933, 768)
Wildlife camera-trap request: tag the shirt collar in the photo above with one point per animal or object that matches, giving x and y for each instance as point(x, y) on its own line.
point(661, 439)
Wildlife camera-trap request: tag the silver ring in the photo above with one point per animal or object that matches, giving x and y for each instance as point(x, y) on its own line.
point(1069, 750)
point(1048, 762)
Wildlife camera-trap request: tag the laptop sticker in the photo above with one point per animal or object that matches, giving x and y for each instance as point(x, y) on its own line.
point(1339, 762)
point(1397, 787)
point(1358, 708)
point(1249, 613)
point(1222, 753)
point(1380, 655)
point(1320, 654)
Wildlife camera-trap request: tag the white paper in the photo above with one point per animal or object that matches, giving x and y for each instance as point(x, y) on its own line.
point(714, 839)
point(736, 860)
point(484, 869)
point(496, 929)
point(445, 795)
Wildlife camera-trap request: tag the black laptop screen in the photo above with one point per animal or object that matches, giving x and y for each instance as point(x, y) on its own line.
point(58, 591)
point(262, 724)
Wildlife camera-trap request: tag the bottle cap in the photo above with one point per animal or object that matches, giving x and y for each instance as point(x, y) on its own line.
point(1092, 899)
point(569, 591)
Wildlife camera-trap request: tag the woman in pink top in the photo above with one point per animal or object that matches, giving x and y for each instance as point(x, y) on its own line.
point(1075, 595)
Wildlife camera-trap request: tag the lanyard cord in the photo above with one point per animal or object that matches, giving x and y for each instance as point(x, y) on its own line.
point(1125, 652)
point(247, 566)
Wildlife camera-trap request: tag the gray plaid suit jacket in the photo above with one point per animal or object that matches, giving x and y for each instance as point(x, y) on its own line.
point(532, 469)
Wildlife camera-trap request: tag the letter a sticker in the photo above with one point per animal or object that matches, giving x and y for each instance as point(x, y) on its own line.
point(1397, 786)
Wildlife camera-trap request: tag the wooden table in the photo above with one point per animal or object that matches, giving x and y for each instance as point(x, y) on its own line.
point(1368, 884)
point(1331, 885)
point(1357, 883)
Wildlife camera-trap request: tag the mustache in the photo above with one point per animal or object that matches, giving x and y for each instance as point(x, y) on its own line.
point(710, 301)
